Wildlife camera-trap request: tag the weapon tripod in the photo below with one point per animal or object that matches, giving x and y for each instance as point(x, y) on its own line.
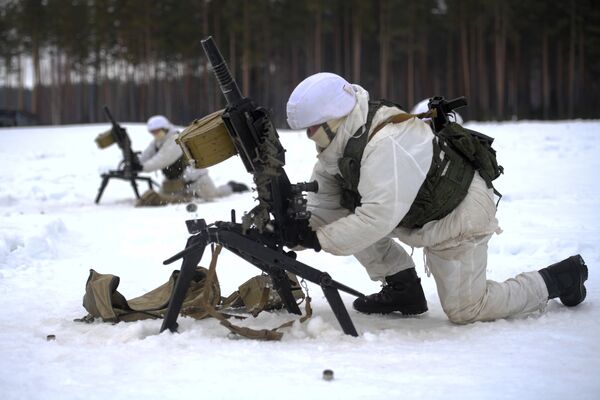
point(124, 170)
point(121, 174)
point(259, 250)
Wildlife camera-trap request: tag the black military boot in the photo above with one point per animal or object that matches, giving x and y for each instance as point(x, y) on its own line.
point(565, 280)
point(403, 292)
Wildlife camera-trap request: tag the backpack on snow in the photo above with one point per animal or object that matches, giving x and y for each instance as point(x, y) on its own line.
point(203, 299)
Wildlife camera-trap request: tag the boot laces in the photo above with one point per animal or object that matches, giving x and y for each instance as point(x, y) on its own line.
point(387, 291)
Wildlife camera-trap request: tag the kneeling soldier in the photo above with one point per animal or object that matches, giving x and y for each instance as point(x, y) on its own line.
point(399, 195)
point(181, 180)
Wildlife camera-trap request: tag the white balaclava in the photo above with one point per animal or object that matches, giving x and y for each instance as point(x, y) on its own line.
point(157, 122)
point(319, 104)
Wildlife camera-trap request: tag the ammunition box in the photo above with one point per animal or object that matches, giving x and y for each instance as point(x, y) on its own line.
point(206, 141)
point(105, 139)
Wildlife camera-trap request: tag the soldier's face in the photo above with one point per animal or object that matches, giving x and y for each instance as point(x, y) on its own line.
point(158, 134)
point(318, 134)
point(311, 130)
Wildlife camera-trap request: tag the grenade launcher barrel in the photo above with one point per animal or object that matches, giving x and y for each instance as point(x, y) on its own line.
point(249, 126)
point(228, 86)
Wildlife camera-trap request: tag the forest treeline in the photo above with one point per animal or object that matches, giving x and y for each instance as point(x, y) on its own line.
point(510, 58)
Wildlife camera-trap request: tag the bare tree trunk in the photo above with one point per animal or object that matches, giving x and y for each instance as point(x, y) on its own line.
point(545, 76)
point(449, 66)
point(95, 87)
point(295, 61)
point(500, 52)
point(77, 88)
point(246, 49)
point(36, 76)
point(484, 95)
point(516, 77)
point(318, 39)
point(55, 84)
point(147, 100)
point(266, 31)
point(131, 111)
point(65, 88)
point(20, 84)
point(464, 50)
point(232, 53)
point(347, 39)
point(464, 55)
point(106, 85)
point(410, 76)
point(384, 47)
point(338, 43)
point(410, 56)
point(356, 44)
point(572, 45)
point(166, 97)
point(581, 73)
point(424, 78)
point(560, 96)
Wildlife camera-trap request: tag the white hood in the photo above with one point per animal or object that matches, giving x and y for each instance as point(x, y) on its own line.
point(357, 118)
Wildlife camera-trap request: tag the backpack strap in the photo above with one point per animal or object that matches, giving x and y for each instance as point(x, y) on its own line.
point(399, 118)
point(258, 334)
point(357, 143)
point(394, 119)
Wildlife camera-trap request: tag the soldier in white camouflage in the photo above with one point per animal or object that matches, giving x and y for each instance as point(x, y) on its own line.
point(399, 189)
point(182, 180)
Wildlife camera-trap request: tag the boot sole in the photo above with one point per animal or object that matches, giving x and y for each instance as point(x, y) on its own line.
point(578, 295)
point(405, 310)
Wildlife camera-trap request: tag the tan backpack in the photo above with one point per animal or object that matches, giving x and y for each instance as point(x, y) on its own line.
point(103, 300)
point(203, 299)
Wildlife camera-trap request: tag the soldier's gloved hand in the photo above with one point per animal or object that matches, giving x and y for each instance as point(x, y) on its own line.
point(237, 187)
point(136, 166)
point(310, 240)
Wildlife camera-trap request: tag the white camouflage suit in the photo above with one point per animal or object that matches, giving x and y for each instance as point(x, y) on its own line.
point(161, 153)
point(393, 167)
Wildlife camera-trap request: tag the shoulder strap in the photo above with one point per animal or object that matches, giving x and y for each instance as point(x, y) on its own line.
point(349, 163)
point(356, 144)
point(394, 119)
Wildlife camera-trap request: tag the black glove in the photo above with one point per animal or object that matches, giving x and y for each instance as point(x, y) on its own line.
point(310, 240)
point(237, 187)
point(136, 166)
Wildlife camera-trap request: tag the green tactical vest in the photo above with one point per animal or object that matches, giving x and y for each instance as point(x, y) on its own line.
point(445, 185)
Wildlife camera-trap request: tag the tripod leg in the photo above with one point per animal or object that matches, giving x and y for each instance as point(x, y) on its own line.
point(186, 273)
point(281, 283)
point(135, 188)
point(270, 260)
point(102, 187)
point(339, 310)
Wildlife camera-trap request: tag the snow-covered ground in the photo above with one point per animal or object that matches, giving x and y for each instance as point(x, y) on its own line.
point(52, 233)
